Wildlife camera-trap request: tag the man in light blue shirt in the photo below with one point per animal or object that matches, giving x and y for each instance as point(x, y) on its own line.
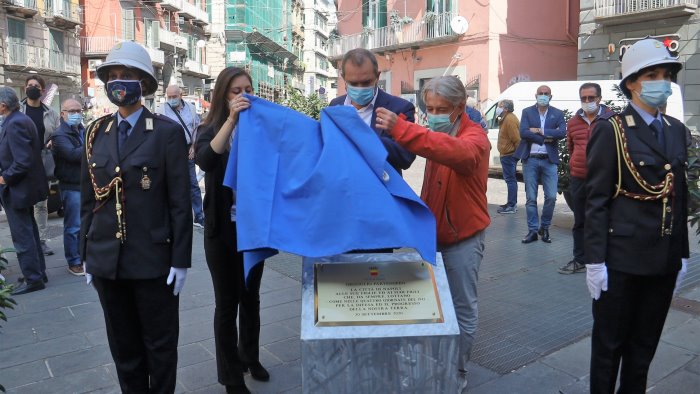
point(185, 114)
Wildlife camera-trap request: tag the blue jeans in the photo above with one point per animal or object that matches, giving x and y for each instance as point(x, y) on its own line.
point(508, 164)
point(462, 261)
point(25, 238)
point(196, 195)
point(535, 171)
point(71, 225)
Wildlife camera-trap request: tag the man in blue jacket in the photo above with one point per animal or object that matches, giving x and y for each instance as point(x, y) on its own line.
point(67, 146)
point(541, 128)
point(22, 184)
point(360, 70)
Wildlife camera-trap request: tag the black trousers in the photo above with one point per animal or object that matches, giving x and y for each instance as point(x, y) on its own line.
point(627, 324)
point(234, 346)
point(142, 322)
point(577, 187)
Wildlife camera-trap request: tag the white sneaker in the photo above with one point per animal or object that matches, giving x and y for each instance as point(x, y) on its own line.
point(198, 225)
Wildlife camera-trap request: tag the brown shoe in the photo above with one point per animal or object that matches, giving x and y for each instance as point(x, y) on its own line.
point(76, 270)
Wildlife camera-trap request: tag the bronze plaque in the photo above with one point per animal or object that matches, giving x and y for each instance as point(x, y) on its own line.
point(358, 294)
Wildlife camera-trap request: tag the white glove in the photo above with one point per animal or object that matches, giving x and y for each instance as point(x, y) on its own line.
point(179, 274)
point(596, 279)
point(681, 275)
point(88, 277)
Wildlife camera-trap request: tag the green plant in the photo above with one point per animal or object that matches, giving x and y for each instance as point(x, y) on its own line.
point(694, 183)
point(564, 157)
point(6, 301)
point(311, 105)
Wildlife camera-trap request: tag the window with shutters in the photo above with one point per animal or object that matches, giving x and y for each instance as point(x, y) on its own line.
point(128, 23)
point(438, 6)
point(374, 13)
point(16, 48)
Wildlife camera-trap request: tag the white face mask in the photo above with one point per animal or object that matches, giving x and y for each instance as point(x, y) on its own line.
point(499, 111)
point(589, 108)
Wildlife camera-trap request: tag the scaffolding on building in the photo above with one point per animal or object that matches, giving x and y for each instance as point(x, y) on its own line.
point(259, 39)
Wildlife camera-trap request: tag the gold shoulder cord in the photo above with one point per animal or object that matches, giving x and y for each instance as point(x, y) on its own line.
point(660, 191)
point(102, 193)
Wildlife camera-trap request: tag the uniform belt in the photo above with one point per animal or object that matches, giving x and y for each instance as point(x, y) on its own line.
point(539, 156)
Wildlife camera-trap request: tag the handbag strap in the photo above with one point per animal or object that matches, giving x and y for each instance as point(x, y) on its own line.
point(182, 122)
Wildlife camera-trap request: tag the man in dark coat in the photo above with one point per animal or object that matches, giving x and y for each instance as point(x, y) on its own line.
point(22, 184)
point(360, 70)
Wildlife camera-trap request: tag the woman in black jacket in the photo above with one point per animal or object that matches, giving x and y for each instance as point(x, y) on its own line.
point(236, 350)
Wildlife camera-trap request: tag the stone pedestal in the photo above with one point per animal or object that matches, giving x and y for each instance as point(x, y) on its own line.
point(386, 358)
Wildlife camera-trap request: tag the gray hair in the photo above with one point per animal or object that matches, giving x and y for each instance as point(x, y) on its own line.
point(8, 96)
point(448, 87)
point(508, 105)
point(357, 57)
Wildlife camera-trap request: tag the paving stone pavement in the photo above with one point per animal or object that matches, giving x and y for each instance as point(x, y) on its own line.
point(534, 330)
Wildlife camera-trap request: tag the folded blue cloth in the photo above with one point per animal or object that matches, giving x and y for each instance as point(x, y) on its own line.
point(319, 189)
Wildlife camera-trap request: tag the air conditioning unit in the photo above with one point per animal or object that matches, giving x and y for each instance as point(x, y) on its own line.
point(93, 64)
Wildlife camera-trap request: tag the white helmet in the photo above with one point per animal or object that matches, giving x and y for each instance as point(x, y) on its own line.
point(132, 55)
point(646, 53)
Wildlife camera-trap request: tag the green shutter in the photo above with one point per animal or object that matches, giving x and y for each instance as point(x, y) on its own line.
point(382, 13)
point(365, 12)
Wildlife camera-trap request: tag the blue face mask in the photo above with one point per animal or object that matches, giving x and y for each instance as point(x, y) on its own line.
point(655, 93)
point(361, 96)
point(175, 102)
point(124, 93)
point(543, 100)
point(440, 123)
point(74, 119)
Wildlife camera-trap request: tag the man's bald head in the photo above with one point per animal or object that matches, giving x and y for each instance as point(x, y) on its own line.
point(173, 91)
point(70, 106)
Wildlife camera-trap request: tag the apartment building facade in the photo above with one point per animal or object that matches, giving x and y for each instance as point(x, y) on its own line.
point(490, 46)
point(174, 32)
point(265, 37)
point(608, 27)
point(41, 37)
point(320, 77)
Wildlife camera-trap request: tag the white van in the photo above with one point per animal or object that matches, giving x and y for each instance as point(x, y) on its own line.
point(564, 96)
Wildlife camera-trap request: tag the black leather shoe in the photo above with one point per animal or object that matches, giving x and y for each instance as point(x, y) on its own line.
point(545, 235)
point(28, 287)
point(237, 389)
point(257, 371)
point(530, 237)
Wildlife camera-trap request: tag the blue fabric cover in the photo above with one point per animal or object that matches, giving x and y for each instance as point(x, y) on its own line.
point(319, 189)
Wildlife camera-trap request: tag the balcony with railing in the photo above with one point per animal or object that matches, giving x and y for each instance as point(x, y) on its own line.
point(170, 40)
point(615, 12)
point(61, 13)
point(191, 11)
point(429, 31)
point(171, 5)
point(22, 56)
point(97, 46)
point(21, 8)
point(157, 56)
point(196, 68)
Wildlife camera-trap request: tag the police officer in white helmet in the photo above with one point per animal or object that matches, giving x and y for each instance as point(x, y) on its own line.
point(136, 223)
point(636, 237)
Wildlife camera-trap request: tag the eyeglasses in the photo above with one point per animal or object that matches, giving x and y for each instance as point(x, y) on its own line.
point(72, 111)
point(589, 99)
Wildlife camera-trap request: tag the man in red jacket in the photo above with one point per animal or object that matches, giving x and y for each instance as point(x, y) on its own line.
point(578, 132)
point(454, 188)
